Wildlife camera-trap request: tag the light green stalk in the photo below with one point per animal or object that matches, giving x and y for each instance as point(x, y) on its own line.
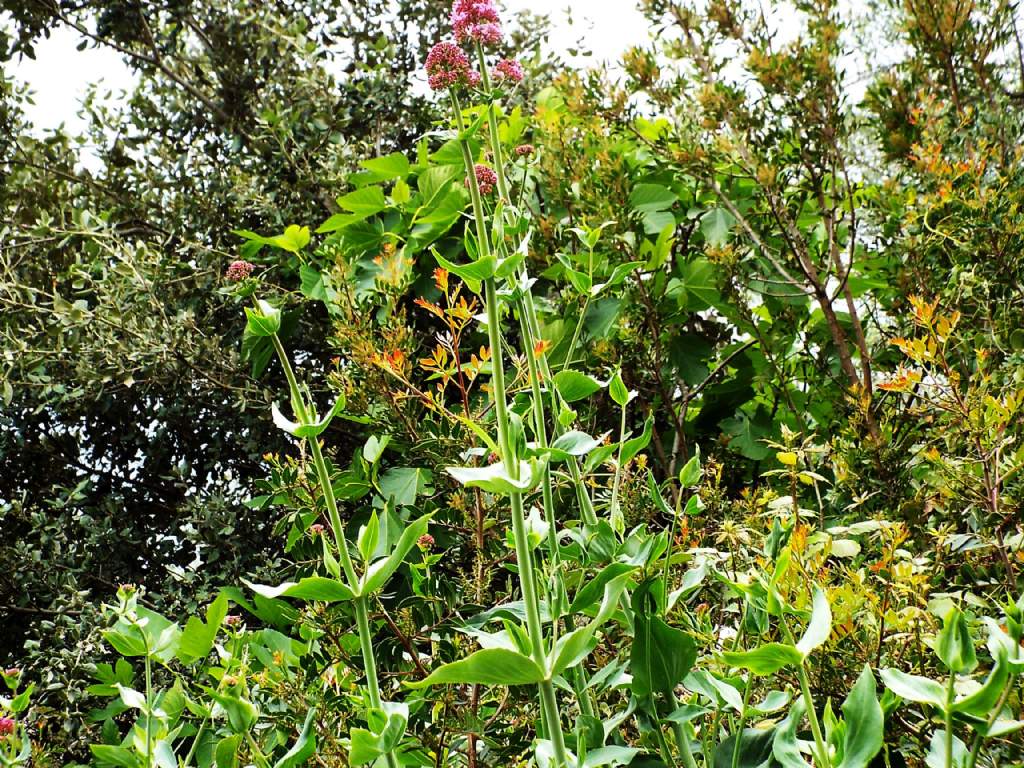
point(812, 713)
point(360, 606)
point(524, 556)
point(530, 325)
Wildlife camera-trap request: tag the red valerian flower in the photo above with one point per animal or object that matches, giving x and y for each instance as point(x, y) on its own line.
point(317, 529)
point(524, 150)
point(476, 20)
point(426, 541)
point(486, 179)
point(448, 66)
point(238, 271)
point(7, 726)
point(510, 70)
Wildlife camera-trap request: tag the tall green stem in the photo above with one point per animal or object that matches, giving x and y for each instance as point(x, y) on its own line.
point(950, 698)
point(338, 529)
point(614, 512)
point(524, 556)
point(527, 309)
point(743, 721)
point(812, 713)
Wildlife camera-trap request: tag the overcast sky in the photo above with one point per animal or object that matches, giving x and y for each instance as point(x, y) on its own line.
point(60, 74)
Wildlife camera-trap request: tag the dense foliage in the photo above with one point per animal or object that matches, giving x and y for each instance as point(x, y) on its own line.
point(575, 418)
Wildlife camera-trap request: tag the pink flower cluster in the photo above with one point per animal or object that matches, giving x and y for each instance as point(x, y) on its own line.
point(6, 726)
point(448, 66)
point(238, 271)
point(486, 179)
point(510, 70)
point(476, 20)
point(524, 150)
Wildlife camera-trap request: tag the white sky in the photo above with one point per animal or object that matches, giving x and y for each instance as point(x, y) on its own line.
point(59, 75)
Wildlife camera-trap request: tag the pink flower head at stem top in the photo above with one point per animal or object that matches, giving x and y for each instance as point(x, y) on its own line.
point(476, 20)
point(524, 150)
point(508, 69)
point(238, 271)
point(486, 179)
point(448, 66)
point(6, 726)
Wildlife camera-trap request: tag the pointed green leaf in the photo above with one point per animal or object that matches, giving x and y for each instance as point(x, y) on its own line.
point(311, 588)
point(766, 659)
point(378, 573)
point(914, 688)
point(820, 626)
point(862, 714)
point(490, 666)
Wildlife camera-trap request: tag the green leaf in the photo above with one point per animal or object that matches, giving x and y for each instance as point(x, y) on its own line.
point(311, 430)
point(820, 626)
point(574, 385)
point(716, 225)
point(293, 239)
point(981, 702)
point(651, 197)
point(378, 573)
point(263, 321)
point(494, 478)
point(481, 269)
point(304, 746)
point(405, 484)
point(374, 447)
point(618, 391)
point(937, 756)
point(573, 443)
point(755, 749)
point(865, 725)
point(310, 588)
point(611, 755)
point(593, 588)
point(197, 638)
point(109, 755)
point(573, 647)
point(632, 447)
point(700, 285)
point(242, 714)
point(661, 655)
point(954, 645)
point(227, 750)
point(766, 659)
point(365, 202)
point(387, 726)
point(366, 541)
point(490, 666)
point(388, 167)
point(130, 697)
point(747, 435)
point(786, 745)
point(914, 688)
point(689, 475)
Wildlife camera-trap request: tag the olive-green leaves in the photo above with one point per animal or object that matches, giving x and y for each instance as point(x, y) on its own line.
point(309, 430)
point(954, 645)
point(489, 666)
point(264, 320)
point(386, 728)
point(863, 723)
point(766, 659)
point(495, 478)
point(820, 625)
point(310, 588)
